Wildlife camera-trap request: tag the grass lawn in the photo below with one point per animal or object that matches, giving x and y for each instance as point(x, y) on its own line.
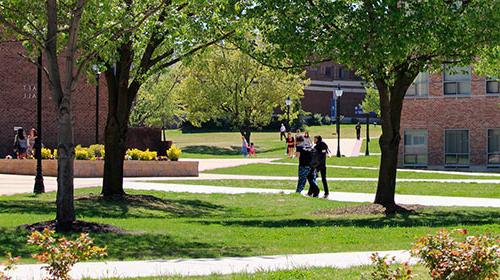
point(291, 170)
point(297, 274)
point(414, 188)
point(361, 161)
point(268, 144)
point(178, 225)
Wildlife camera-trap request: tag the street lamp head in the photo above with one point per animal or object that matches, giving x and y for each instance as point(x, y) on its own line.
point(339, 91)
point(95, 68)
point(288, 101)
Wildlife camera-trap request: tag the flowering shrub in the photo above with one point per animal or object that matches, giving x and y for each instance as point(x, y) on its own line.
point(136, 154)
point(174, 153)
point(383, 269)
point(82, 153)
point(9, 265)
point(472, 259)
point(46, 153)
point(96, 151)
point(55, 154)
point(61, 254)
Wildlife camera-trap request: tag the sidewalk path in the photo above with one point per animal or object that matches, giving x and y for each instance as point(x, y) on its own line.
point(214, 163)
point(336, 196)
point(203, 267)
point(348, 146)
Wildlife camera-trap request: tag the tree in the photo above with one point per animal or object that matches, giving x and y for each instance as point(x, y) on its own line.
point(371, 102)
point(157, 104)
point(226, 84)
point(488, 63)
point(69, 33)
point(170, 34)
point(389, 42)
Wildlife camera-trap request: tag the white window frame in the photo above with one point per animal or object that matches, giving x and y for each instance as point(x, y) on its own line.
point(405, 154)
point(457, 154)
point(457, 83)
point(488, 151)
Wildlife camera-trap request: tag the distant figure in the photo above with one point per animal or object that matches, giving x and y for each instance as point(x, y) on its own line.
point(244, 146)
point(31, 142)
point(322, 152)
point(307, 140)
point(20, 144)
point(358, 131)
point(282, 132)
point(251, 150)
point(290, 144)
point(306, 171)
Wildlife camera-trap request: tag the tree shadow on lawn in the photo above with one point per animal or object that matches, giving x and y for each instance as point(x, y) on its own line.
point(133, 206)
point(131, 246)
point(214, 150)
point(426, 219)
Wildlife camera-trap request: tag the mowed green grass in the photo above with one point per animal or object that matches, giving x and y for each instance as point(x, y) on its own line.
point(178, 225)
point(361, 161)
point(411, 188)
point(291, 170)
point(268, 144)
point(419, 272)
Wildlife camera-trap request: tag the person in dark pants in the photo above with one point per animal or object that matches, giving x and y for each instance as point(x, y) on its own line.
point(282, 132)
point(358, 131)
point(322, 150)
point(306, 172)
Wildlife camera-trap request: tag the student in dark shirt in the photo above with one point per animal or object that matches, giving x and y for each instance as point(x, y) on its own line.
point(322, 150)
point(306, 172)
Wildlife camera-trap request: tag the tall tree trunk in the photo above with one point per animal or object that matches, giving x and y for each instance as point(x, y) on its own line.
point(66, 154)
point(247, 133)
point(391, 105)
point(116, 144)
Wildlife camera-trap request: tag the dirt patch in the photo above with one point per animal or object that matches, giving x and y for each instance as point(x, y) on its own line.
point(371, 209)
point(77, 226)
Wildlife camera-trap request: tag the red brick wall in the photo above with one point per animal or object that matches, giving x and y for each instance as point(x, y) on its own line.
point(18, 102)
point(477, 113)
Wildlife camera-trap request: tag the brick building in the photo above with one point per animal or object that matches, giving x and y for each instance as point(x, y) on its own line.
point(18, 103)
point(325, 78)
point(451, 119)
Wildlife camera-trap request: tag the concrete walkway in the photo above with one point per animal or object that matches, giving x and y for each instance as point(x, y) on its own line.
point(336, 196)
point(349, 147)
point(203, 267)
point(214, 163)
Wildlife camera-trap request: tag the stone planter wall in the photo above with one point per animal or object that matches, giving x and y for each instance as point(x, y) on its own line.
point(95, 168)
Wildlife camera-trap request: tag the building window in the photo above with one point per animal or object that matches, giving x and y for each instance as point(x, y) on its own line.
point(415, 147)
point(419, 87)
point(456, 147)
point(494, 146)
point(457, 81)
point(492, 86)
point(328, 72)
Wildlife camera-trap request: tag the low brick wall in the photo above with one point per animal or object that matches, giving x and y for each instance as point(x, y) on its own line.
point(95, 168)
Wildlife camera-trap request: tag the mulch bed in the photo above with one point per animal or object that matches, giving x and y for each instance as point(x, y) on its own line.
point(371, 209)
point(77, 226)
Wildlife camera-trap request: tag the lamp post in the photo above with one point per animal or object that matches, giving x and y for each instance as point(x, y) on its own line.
point(39, 186)
point(288, 102)
point(97, 76)
point(338, 93)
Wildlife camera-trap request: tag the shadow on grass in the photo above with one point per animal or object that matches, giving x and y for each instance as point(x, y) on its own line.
point(214, 150)
point(131, 246)
point(427, 219)
point(135, 206)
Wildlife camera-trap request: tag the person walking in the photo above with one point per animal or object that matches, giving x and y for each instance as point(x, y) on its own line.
point(307, 140)
point(290, 144)
point(282, 132)
point(322, 152)
point(358, 131)
point(20, 144)
point(244, 146)
point(251, 150)
point(305, 172)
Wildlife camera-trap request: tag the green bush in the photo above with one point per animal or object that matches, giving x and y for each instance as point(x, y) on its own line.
point(315, 120)
point(136, 154)
point(96, 151)
point(327, 120)
point(386, 269)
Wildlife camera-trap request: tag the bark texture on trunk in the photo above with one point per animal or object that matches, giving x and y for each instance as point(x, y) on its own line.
point(391, 105)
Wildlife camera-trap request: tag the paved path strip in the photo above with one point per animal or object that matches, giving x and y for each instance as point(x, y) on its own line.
point(204, 267)
point(336, 196)
point(490, 174)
